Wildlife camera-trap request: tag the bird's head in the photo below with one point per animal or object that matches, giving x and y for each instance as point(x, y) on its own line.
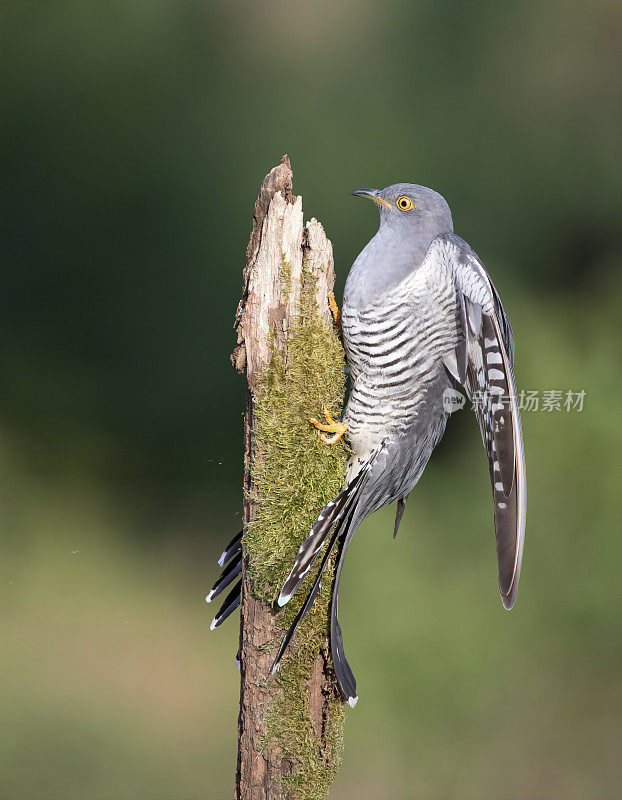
point(410, 209)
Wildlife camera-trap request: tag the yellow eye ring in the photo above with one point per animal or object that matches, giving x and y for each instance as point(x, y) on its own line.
point(404, 203)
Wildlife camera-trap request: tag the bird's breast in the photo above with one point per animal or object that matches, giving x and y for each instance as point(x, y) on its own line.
point(395, 348)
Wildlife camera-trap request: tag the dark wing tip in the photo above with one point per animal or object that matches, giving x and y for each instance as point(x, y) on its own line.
point(509, 600)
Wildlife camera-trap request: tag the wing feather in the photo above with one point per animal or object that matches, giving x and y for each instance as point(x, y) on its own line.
point(483, 364)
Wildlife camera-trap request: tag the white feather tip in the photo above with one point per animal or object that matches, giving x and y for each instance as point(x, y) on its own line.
point(284, 599)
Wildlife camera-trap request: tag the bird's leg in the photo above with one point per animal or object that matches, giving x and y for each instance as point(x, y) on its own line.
point(336, 428)
point(334, 309)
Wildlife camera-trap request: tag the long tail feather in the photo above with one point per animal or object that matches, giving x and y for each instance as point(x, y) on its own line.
point(343, 671)
point(312, 545)
point(306, 606)
point(345, 676)
point(229, 574)
point(234, 546)
point(232, 601)
point(341, 532)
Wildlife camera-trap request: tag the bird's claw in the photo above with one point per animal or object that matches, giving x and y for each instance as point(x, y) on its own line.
point(337, 428)
point(334, 308)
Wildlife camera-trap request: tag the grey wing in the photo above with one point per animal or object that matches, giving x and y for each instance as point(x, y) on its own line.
point(483, 363)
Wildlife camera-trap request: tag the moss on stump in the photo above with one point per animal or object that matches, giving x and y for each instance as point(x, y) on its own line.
point(295, 475)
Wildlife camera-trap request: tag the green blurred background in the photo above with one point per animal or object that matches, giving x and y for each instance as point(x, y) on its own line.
point(135, 135)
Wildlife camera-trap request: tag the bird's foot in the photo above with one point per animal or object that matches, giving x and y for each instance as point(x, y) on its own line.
point(331, 426)
point(334, 308)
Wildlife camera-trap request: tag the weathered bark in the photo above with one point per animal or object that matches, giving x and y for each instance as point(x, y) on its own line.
point(263, 322)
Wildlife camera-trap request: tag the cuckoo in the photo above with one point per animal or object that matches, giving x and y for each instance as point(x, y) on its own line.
point(420, 315)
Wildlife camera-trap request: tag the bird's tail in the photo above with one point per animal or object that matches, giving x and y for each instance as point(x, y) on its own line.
point(337, 522)
point(310, 548)
point(232, 557)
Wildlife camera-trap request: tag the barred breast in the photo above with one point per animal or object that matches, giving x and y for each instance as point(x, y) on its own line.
point(395, 348)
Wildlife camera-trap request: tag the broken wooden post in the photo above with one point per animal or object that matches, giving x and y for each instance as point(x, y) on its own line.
point(290, 724)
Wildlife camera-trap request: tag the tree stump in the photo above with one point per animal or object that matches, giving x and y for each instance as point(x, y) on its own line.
point(290, 724)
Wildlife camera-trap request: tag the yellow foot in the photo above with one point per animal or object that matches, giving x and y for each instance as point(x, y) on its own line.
point(336, 428)
point(334, 309)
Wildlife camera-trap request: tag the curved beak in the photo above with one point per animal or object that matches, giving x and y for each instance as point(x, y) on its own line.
point(371, 194)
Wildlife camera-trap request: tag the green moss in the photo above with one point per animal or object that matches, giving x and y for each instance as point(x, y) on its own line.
point(295, 477)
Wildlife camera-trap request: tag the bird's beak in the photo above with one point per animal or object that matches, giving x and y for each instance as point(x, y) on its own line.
point(371, 194)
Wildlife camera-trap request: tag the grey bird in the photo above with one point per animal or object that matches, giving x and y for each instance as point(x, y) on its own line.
point(420, 314)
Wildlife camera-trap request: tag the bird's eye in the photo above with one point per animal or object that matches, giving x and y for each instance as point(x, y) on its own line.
point(404, 203)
